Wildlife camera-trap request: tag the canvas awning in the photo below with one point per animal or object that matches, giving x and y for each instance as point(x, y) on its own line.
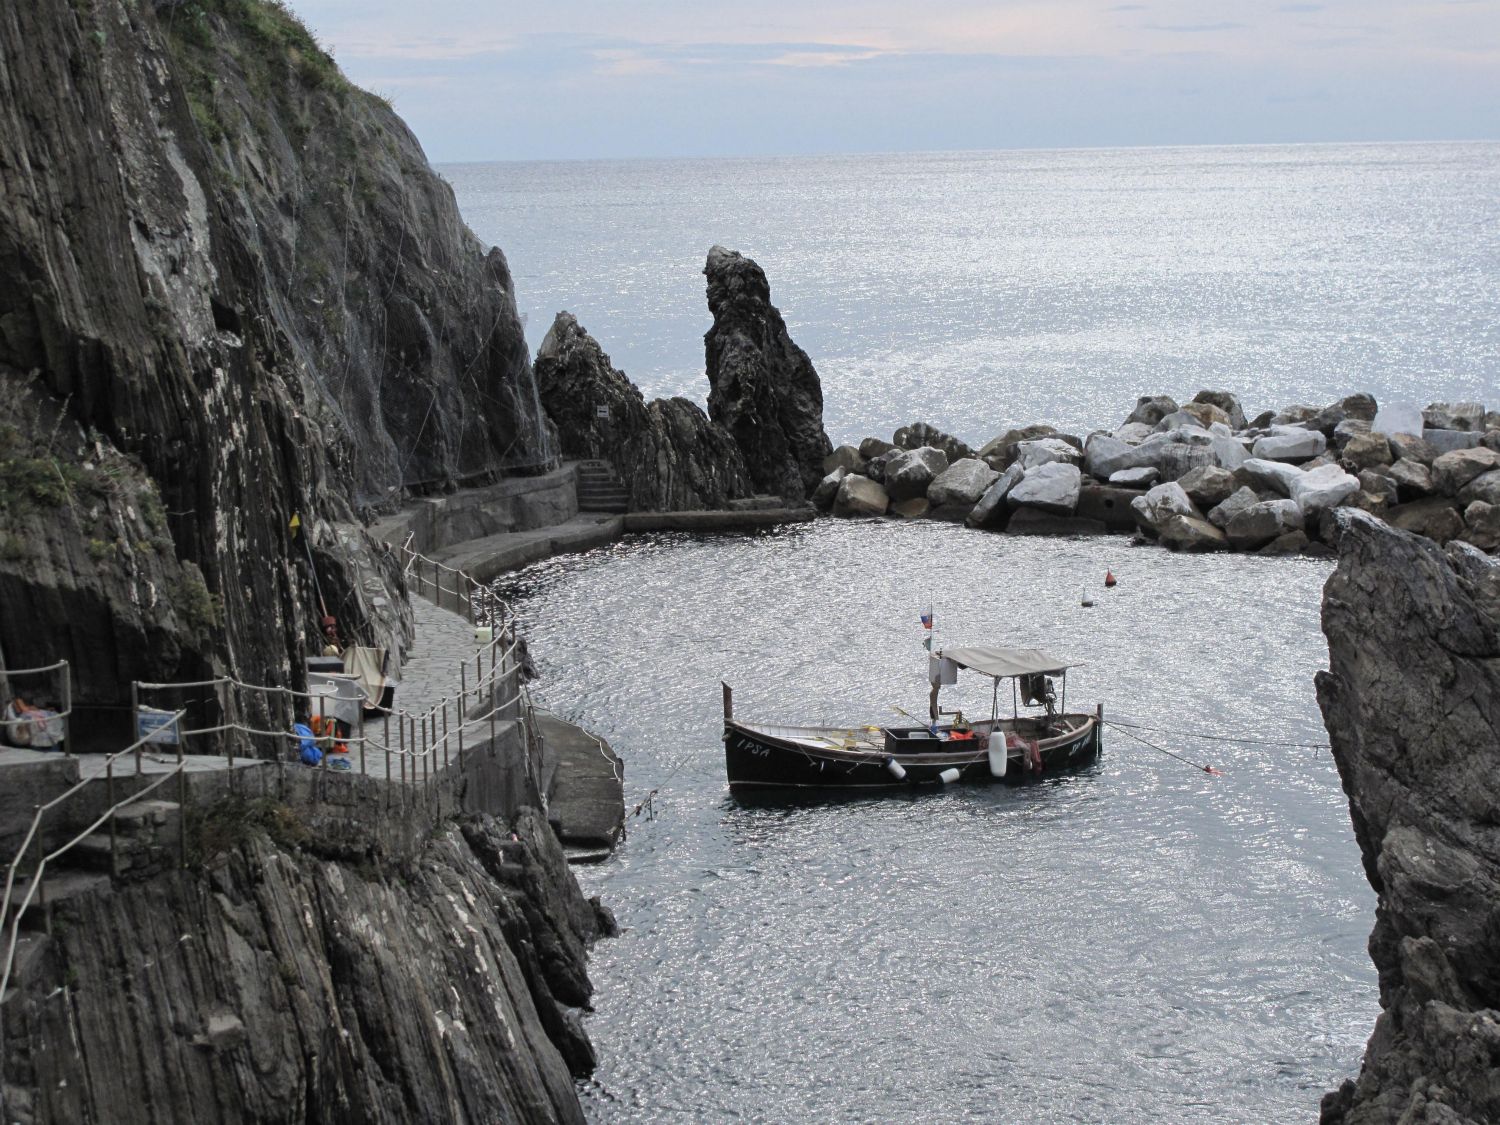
point(1001, 662)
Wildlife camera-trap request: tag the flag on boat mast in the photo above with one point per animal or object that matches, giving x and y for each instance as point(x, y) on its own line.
point(929, 627)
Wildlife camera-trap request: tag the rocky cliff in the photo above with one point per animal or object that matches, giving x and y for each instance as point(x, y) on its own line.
point(762, 387)
point(231, 290)
point(281, 983)
point(670, 456)
point(1412, 704)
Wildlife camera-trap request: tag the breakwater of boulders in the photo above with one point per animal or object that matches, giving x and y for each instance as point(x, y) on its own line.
point(1198, 476)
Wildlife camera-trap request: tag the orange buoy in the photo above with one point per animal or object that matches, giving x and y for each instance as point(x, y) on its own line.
point(1109, 579)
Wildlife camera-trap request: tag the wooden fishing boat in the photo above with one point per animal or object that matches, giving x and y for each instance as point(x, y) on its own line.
point(1040, 737)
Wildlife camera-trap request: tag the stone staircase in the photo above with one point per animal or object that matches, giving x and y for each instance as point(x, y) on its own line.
point(600, 489)
point(146, 841)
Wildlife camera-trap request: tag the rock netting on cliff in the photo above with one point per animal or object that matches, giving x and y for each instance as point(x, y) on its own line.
point(1412, 705)
point(762, 387)
point(668, 453)
point(231, 291)
point(1196, 477)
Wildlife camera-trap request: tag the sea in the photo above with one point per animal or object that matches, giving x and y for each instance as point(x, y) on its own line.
point(1142, 941)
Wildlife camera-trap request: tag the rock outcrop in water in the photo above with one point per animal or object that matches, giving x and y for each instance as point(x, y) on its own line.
point(670, 456)
point(1200, 478)
point(280, 984)
point(1412, 704)
point(762, 387)
point(231, 290)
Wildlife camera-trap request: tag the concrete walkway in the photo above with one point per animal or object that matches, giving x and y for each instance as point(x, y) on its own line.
point(484, 559)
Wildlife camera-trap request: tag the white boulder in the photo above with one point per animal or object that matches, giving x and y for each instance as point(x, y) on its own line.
point(961, 483)
point(1322, 488)
point(1052, 487)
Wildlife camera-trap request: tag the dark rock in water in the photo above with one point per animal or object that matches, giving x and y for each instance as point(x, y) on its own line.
point(1228, 403)
point(1412, 448)
point(1107, 505)
point(1466, 416)
point(1451, 471)
point(1413, 479)
point(1412, 705)
point(1291, 543)
point(290, 987)
point(1000, 451)
point(1482, 525)
point(873, 447)
point(1038, 521)
point(845, 456)
point(920, 434)
point(670, 456)
point(1360, 406)
point(1207, 486)
point(876, 466)
point(991, 509)
point(1190, 533)
point(916, 508)
point(1436, 518)
point(762, 387)
point(860, 496)
point(1261, 421)
point(908, 474)
point(961, 484)
point(828, 488)
point(1151, 409)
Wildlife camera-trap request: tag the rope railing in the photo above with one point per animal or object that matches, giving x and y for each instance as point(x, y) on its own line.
point(34, 835)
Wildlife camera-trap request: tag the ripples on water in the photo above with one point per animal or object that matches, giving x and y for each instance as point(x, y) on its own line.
point(1137, 943)
point(984, 289)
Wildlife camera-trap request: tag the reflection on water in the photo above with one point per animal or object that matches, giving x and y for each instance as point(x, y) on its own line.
point(1134, 942)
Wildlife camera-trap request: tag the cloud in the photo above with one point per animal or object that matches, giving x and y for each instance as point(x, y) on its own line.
point(1225, 25)
point(1300, 8)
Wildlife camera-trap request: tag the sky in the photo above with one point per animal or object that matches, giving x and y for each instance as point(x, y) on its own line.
point(577, 79)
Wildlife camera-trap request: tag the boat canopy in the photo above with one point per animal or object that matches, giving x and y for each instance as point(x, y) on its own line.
point(1003, 662)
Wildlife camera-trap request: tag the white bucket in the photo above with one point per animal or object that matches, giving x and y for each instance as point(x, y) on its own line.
point(949, 775)
point(999, 755)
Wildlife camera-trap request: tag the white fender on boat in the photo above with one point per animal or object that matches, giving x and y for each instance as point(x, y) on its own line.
point(897, 770)
point(999, 755)
point(949, 775)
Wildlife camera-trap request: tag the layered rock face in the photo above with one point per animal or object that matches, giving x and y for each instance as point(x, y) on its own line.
point(670, 456)
point(762, 387)
point(280, 985)
point(231, 290)
point(1412, 704)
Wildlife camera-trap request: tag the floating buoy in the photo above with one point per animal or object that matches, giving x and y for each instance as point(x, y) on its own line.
point(949, 775)
point(1109, 579)
point(897, 770)
point(1087, 603)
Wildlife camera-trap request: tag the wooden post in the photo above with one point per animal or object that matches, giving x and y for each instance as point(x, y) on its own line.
point(728, 700)
point(387, 758)
point(445, 734)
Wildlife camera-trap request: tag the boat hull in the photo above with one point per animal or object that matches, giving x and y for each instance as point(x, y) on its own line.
point(759, 762)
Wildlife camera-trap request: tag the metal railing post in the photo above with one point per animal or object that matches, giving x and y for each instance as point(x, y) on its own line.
point(182, 857)
point(135, 720)
point(67, 703)
point(41, 884)
point(114, 847)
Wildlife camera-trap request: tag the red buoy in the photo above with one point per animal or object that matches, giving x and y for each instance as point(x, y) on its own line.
point(1109, 578)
